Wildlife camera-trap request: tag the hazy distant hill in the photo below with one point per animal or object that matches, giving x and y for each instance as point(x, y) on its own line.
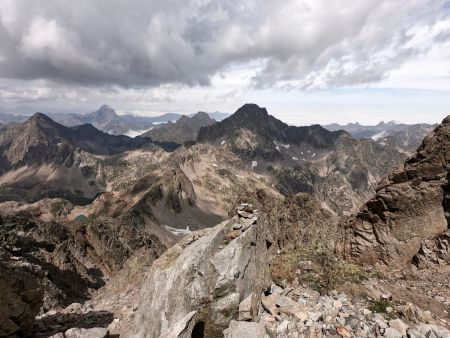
point(107, 120)
point(405, 137)
point(183, 130)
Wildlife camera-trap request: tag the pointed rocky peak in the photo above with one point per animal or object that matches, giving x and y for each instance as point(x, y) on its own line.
point(202, 116)
point(266, 128)
point(183, 118)
point(251, 110)
point(39, 118)
point(42, 121)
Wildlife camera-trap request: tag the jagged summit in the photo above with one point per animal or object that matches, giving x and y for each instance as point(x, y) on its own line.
point(42, 120)
point(251, 110)
point(263, 130)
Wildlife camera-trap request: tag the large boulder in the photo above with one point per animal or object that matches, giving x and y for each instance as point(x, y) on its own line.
point(197, 285)
point(411, 206)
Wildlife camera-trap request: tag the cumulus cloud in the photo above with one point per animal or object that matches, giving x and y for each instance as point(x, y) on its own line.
point(148, 43)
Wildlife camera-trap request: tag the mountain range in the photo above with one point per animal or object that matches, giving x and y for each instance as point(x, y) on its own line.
point(406, 137)
point(336, 168)
point(203, 228)
point(106, 119)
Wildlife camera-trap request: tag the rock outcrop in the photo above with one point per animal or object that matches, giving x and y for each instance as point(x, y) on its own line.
point(410, 206)
point(198, 284)
point(74, 258)
point(21, 296)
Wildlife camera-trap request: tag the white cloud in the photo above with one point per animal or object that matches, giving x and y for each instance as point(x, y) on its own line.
point(204, 54)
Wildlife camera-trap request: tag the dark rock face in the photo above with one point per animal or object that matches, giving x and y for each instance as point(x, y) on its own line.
point(185, 129)
point(21, 297)
point(410, 206)
point(73, 258)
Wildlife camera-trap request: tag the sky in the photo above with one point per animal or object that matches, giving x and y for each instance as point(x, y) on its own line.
point(310, 61)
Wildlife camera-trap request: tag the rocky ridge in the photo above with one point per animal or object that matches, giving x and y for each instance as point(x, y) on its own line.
point(199, 283)
point(410, 206)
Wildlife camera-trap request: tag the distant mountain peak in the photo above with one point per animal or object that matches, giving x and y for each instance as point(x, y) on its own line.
point(251, 110)
point(201, 114)
point(41, 120)
point(106, 111)
point(39, 117)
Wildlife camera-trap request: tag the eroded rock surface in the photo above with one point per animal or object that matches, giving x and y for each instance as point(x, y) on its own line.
point(199, 283)
point(410, 206)
point(21, 297)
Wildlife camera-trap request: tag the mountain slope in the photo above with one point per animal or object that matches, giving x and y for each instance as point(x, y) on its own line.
point(410, 206)
point(41, 158)
point(192, 187)
point(183, 130)
point(41, 140)
point(339, 170)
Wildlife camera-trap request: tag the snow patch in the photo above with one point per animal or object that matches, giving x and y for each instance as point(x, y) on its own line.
point(177, 231)
point(134, 133)
point(381, 134)
point(295, 158)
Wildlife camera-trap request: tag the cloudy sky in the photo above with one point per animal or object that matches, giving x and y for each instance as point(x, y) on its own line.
point(310, 61)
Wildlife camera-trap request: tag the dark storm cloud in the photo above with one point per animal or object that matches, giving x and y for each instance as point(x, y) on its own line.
point(148, 43)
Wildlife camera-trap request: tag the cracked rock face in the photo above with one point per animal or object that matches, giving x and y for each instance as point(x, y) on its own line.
point(199, 283)
point(21, 297)
point(411, 206)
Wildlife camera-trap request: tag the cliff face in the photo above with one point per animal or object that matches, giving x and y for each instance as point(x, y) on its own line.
point(410, 206)
point(72, 259)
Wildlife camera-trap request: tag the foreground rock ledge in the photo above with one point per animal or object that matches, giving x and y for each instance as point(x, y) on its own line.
point(198, 284)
